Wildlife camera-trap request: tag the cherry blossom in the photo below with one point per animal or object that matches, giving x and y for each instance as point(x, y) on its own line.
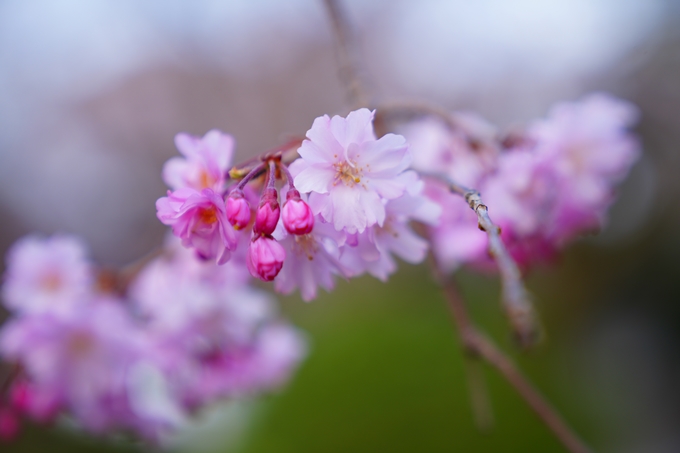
point(205, 163)
point(348, 172)
point(199, 219)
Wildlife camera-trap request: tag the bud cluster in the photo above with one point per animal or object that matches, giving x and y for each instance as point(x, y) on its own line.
point(347, 206)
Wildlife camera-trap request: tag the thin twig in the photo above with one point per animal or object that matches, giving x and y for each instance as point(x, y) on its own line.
point(515, 298)
point(479, 395)
point(478, 345)
point(347, 55)
point(412, 110)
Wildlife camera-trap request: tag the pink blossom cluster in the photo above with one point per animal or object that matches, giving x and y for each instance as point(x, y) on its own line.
point(190, 329)
point(349, 199)
point(183, 336)
point(544, 186)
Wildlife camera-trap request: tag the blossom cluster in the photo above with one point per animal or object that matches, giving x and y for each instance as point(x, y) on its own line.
point(190, 329)
point(184, 336)
point(544, 186)
point(349, 199)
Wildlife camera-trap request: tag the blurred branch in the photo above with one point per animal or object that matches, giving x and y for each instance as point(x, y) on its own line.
point(479, 346)
point(412, 110)
point(479, 395)
point(347, 54)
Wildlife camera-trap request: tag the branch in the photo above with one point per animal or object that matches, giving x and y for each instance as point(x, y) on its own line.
point(347, 54)
point(411, 110)
point(515, 298)
point(481, 347)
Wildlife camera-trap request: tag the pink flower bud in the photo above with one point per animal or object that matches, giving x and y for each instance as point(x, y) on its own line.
point(265, 258)
point(238, 210)
point(297, 215)
point(9, 425)
point(268, 213)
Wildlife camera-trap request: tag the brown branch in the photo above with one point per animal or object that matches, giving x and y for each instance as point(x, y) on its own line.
point(516, 301)
point(347, 54)
point(478, 345)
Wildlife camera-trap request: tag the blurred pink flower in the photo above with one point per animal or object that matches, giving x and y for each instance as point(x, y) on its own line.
point(47, 275)
point(200, 220)
point(81, 360)
point(205, 163)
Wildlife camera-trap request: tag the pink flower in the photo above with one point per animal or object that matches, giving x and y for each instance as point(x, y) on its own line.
point(465, 154)
point(268, 213)
point(238, 210)
point(312, 260)
point(372, 250)
point(265, 258)
point(589, 150)
point(205, 163)
point(349, 173)
point(189, 298)
point(47, 275)
point(214, 334)
point(80, 360)
point(200, 220)
point(297, 215)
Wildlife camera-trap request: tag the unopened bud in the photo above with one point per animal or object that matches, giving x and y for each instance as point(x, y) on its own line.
point(297, 215)
point(268, 213)
point(238, 210)
point(265, 258)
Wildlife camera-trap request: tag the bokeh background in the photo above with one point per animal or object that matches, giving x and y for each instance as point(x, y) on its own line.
point(93, 92)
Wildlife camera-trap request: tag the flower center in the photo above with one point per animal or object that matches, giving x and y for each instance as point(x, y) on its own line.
point(80, 343)
point(205, 180)
point(305, 245)
point(348, 174)
point(208, 215)
point(51, 282)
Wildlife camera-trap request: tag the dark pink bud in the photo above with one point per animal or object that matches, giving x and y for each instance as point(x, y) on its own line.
point(9, 424)
point(238, 210)
point(265, 258)
point(297, 215)
point(268, 213)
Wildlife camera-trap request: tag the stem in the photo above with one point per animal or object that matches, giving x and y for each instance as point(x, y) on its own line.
point(481, 347)
point(254, 172)
point(515, 298)
point(289, 177)
point(271, 184)
point(347, 55)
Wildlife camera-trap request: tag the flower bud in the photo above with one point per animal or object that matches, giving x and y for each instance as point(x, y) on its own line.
point(238, 210)
point(265, 258)
point(297, 215)
point(268, 213)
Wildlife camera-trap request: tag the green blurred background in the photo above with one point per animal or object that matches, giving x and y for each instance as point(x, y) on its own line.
point(108, 84)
